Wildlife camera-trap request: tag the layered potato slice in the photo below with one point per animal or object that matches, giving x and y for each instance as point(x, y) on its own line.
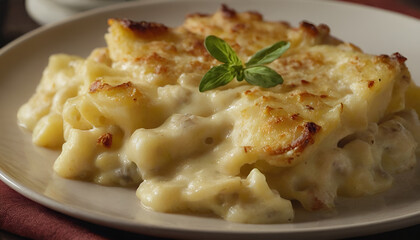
point(131, 114)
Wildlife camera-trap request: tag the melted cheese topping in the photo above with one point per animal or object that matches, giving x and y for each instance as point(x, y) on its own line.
point(131, 114)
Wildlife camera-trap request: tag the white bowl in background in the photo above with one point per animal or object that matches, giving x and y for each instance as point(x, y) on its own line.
point(50, 11)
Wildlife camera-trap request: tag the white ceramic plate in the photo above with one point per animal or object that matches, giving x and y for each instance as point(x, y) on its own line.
point(28, 169)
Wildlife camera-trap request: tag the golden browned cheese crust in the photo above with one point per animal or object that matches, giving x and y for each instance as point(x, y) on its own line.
point(166, 52)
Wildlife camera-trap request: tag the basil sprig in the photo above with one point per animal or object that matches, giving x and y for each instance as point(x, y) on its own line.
point(254, 71)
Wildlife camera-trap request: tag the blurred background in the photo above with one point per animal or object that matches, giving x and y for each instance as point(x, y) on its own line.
point(14, 20)
point(20, 16)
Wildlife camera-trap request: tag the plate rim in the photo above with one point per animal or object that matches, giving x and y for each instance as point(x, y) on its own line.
point(74, 211)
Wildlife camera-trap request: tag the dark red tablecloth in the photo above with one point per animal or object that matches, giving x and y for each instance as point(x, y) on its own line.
point(407, 7)
point(23, 217)
point(26, 218)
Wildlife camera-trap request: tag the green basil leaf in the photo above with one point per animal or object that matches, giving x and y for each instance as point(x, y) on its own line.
point(221, 50)
point(262, 76)
point(268, 54)
point(240, 75)
point(216, 77)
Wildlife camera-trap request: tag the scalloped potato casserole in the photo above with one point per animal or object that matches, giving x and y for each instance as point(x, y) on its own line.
point(130, 114)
